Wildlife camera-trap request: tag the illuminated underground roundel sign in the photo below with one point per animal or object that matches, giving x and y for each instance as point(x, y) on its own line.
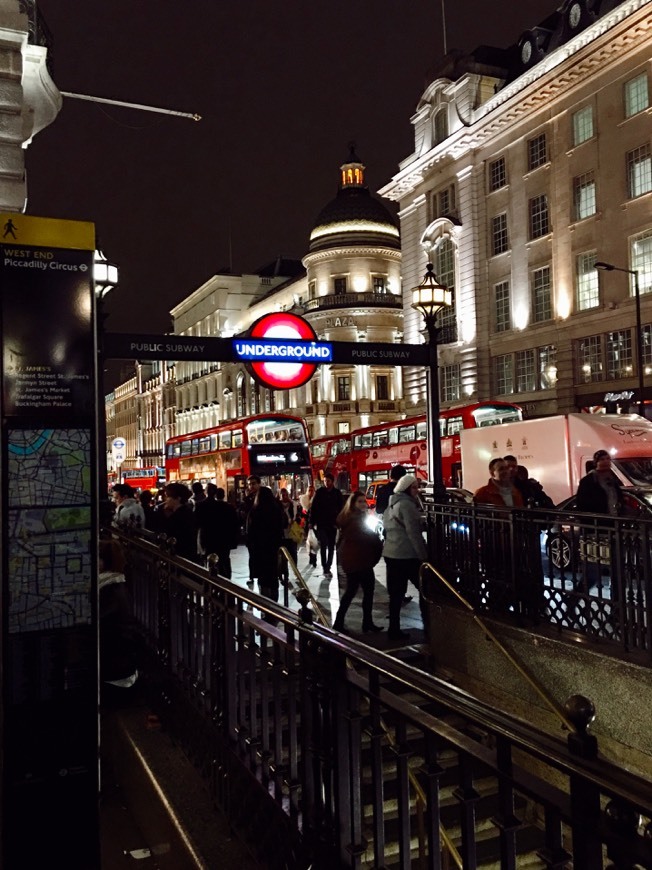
point(283, 375)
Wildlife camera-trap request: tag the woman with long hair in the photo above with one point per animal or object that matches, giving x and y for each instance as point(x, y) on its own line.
point(358, 550)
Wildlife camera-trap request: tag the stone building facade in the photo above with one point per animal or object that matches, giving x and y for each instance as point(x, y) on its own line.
point(531, 164)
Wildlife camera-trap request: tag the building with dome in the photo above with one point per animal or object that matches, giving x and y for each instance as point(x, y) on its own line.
point(348, 287)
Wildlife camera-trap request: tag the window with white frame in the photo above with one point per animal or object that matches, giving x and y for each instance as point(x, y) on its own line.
point(241, 396)
point(539, 220)
point(537, 152)
point(497, 174)
point(526, 380)
point(619, 354)
point(446, 201)
point(254, 393)
point(646, 334)
point(582, 125)
point(504, 374)
point(640, 258)
point(340, 285)
point(637, 97)
point(503, 317)
point(379, 284)
point(590, 359)
point(312, 289)
point(445, 271)
point(547, 367)
point(587, 286)
point(541, 294)
point(639, 171)
point(499, 236)
point(584, 201)
point(450, 381)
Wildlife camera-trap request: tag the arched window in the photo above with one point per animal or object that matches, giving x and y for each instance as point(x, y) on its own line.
point(440, 126)
point(255, 396)
point(241, 396)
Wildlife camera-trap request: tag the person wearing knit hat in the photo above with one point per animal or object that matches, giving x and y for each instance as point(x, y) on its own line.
point(404, 550)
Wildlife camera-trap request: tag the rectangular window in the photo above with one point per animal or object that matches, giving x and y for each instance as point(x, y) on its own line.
point(504, 374)
point(379, 284)
point(584, 196)
point(586, 281)
point(450, 383)
point(499, 237)
point(497, 174)
point(446, 201)
point(646, 332)
point(382, 387)
point(637, 95)
point(619, 354)
point(312, 289)
point(502, 308)
point(539, 222)
point(583, 125)
point(547, 366)
point(640, 257)
point(525, 374)
point(537, 153)
point(339, 285)
point(590, 361)
point(541, 294)
point(344, 389)
point(639, 171)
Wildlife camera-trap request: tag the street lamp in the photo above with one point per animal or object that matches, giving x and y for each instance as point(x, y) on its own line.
point(429, 298)
point(609, 267)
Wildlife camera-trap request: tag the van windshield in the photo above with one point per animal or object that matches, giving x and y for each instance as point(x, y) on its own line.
point(637, 469)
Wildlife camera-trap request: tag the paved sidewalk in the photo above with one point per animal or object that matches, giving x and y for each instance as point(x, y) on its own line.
point(328, 591)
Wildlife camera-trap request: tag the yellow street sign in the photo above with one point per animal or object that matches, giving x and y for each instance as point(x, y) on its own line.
point(37, 232)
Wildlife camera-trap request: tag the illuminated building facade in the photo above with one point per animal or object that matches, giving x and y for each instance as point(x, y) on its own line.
point(531, 164)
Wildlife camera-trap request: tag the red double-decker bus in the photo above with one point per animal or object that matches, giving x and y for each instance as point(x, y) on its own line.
point(140, 479)
point(374, 450)
point(273, 447)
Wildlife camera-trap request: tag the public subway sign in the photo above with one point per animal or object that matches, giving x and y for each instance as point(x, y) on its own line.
point(282, 350)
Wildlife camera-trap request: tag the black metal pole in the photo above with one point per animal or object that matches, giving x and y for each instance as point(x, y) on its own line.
point(432, 416)
point(639, 344)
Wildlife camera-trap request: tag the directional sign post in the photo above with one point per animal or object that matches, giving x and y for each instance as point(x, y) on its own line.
point(49, 787)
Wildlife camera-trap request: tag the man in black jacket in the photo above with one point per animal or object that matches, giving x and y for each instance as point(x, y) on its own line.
point(325, 507)
point(218, 528)
point(384, 492)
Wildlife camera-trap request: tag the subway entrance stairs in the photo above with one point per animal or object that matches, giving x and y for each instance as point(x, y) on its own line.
point(314, 749)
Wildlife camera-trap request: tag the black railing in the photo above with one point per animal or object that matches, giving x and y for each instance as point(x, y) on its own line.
point(583, 573)
point(283, 718)
point(349, 300)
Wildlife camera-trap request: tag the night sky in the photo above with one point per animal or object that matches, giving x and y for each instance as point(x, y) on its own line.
point(282, 87)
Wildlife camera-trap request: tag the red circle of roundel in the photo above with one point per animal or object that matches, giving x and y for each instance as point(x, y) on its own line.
point(283, 376)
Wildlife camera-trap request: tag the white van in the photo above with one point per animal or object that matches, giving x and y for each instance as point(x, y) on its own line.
point(558, 450)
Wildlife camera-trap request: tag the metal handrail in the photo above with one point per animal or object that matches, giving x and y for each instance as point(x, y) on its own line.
point(532, 681)
point(414, 782)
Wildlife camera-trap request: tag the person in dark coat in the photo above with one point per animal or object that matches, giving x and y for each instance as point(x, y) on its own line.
point(265, 529)
point(253, 485)
point(324, 510)
point(118, 672)
point(358, 550)
point(531, 491)
point(384, 492)
point(175, 519)
point(146, 500)
point(218, 528)
point(600, 491)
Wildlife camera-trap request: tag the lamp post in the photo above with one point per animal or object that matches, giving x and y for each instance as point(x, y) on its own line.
point(429, 298)
point(105, 278)
point(609, 267)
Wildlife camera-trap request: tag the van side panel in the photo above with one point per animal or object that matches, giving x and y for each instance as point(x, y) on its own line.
point(542, 446)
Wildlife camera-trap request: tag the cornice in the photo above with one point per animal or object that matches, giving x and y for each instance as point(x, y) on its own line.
point(572, 64)
point(336, 253)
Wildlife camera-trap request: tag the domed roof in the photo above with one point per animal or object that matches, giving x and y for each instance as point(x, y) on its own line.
point(354, 217)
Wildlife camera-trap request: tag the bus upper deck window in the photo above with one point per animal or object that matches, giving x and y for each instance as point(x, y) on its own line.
point(392, 436)
point(237, 439)
point(421, 431)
